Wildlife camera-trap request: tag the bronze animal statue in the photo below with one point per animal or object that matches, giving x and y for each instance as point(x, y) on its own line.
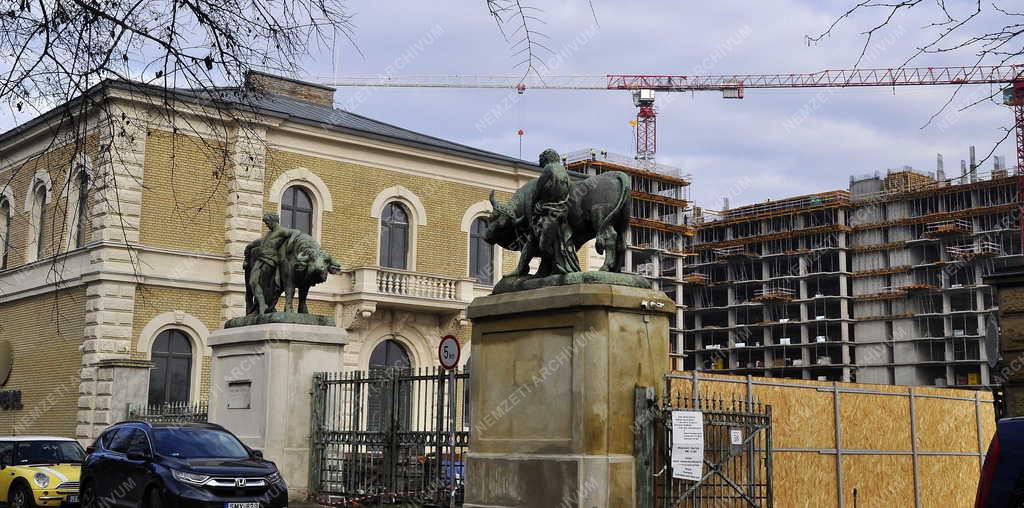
point(283, 261)
point(597, 207)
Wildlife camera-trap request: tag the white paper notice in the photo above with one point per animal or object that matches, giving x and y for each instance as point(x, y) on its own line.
point(687, 445)
point(736, 436)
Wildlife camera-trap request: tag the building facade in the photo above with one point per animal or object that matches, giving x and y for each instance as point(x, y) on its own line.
point(881, 283)
point(123, 247)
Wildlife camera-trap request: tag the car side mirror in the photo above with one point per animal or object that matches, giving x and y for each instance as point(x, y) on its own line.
point(90, 450)
point(258, 454)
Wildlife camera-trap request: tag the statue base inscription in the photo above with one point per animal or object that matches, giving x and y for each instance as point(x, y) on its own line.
point(511, 283)
point(293, 318)
point(552, 393)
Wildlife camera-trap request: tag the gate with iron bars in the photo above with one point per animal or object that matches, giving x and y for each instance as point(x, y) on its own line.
point(388, 436)
point(737, 463)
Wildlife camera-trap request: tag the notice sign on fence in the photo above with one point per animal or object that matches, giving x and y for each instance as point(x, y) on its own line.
point(687, 445)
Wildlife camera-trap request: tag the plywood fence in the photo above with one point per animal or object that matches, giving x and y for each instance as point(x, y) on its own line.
point(855, 445)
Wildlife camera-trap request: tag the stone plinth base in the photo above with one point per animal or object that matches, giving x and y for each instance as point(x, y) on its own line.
point(511, 283)
point(260, 382)
point(280, 318)
point(552, 393)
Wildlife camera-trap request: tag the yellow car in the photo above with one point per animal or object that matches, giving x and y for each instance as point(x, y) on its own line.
point(39, 471)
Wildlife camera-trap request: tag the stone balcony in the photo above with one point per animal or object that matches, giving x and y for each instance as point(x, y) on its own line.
point(374, 287)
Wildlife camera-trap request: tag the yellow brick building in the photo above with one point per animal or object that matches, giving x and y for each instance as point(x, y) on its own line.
point(123, 245)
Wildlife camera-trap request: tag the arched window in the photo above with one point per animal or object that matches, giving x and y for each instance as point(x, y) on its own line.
point(481, 254)
point(388, 360)
point(39, 220)
point(171, 377)
point(5, 232)
point(394, 236)
point(297, 209)
point(81, 212)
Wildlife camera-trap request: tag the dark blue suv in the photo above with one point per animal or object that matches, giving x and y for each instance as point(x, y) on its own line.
point(172, 465)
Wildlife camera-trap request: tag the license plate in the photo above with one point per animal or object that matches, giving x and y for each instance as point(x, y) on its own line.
point(241, 505)
point(72, 499)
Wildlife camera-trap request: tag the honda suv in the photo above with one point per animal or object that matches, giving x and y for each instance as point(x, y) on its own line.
point(160, 465)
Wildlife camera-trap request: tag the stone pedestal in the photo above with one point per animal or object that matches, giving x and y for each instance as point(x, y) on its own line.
point(552, 393)
point(260, 382)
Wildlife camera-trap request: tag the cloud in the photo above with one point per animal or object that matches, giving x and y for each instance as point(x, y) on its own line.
point(850, 131)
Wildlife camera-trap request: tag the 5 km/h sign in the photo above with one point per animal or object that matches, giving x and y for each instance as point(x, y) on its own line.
point(448, 352)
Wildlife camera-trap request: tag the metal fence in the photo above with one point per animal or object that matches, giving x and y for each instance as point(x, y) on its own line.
point(389, 435)
point(737, 465)
point(174, 412)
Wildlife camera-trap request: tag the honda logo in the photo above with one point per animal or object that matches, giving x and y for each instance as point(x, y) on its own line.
point(239, 482)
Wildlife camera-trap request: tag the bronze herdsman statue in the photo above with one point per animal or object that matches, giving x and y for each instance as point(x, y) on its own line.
point(552, 217)
point(285, 260)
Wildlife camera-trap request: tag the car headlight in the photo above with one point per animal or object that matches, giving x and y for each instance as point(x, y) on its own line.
point(41, 480)
point(189, 478)
point(273, 478)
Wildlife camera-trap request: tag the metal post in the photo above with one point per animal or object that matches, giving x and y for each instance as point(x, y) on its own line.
point(913, 448)
point(977, 425)
point(839, 444)
point(645, 400)
point(451, 436)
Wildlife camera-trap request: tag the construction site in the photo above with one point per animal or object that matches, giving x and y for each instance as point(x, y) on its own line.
point(880, 283)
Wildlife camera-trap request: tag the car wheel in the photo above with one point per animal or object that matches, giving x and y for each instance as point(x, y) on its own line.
point(88, 496)
point(21, 497)
point(154, 499)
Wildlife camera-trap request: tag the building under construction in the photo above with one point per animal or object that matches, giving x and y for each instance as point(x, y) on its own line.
point(659, 231)
point(881, 283)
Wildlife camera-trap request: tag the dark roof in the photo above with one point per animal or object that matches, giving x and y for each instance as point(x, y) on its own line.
point(312, 113)
point(291, 109)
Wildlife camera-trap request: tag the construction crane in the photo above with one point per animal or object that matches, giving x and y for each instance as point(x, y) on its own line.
point(644, 86)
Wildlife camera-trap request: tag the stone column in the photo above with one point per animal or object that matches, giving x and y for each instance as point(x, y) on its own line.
point(261, 380)
point(244, 221)
point(110, 290)
point(552, 393)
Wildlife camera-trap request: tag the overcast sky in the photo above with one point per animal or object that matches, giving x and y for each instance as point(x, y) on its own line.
point(772, 144)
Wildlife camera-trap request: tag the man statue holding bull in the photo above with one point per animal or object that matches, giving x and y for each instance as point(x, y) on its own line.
point(553, 217)
point(285, 260)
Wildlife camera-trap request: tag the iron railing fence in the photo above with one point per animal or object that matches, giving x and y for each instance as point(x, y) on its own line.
point(389, 435)
point(737, 466)
point(172, 412)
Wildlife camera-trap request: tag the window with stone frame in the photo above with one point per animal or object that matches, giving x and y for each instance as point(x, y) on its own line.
point(394, 236)
point(481, 253)
point(297, 209)
point(388, 360)
point(5, 232)
point(81, 210)
point(170, 379)
point(39, 219)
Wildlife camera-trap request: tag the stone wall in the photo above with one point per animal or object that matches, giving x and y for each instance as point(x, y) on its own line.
point(441, 249)
point(186, 192)
point(45, 332)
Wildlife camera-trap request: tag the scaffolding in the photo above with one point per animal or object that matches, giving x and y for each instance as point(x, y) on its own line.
point(880, 284)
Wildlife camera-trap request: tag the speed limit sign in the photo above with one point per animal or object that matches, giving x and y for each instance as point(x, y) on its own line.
point(448, 352)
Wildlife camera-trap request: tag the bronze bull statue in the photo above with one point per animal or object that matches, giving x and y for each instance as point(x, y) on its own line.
point(285, 260)
point(598, 207)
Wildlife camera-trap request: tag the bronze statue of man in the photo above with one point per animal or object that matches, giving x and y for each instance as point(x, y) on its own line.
point(261, 264)
point(550, 228)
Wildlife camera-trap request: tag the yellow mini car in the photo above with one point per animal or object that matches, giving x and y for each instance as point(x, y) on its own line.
point(39, 471)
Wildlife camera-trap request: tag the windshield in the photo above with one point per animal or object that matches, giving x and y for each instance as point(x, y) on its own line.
point(48, 452)
point(197, 443)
